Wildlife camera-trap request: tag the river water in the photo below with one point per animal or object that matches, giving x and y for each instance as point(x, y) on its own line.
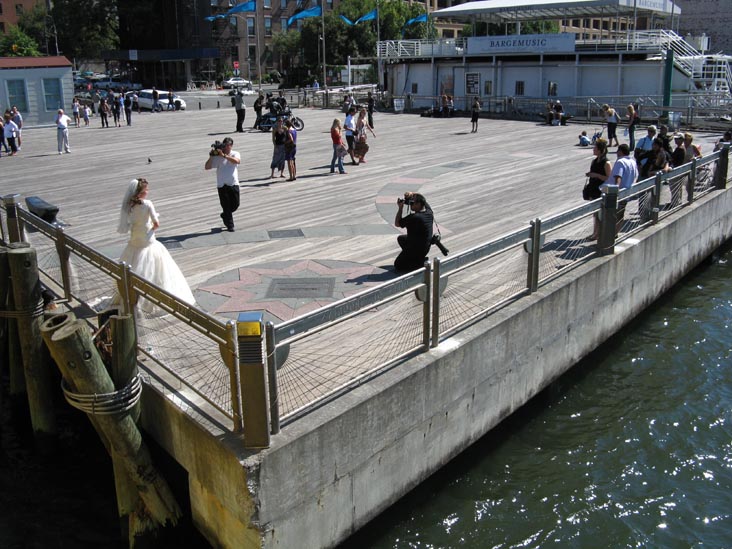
point(632, 448)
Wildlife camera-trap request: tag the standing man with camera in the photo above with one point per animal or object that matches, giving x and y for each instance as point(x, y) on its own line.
point(226, 163)
point(416, 243)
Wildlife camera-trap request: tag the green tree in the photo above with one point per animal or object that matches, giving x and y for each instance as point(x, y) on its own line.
point(16, 43)
point(33, 23)
point(287, 45)
point(85, 27)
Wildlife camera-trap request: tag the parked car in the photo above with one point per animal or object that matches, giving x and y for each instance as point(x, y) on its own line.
point(116, 83)
point(145, 100)
point(236, 82)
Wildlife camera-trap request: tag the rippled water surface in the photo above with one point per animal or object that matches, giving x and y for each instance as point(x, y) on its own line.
point(632, 448)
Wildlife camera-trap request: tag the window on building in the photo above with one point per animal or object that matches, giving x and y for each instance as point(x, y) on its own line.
point(283, 4)
point(623, 26)
point(251, 27)
point(575, 22)
point(18, 9)
point(488, 87)
point(267, 4)
point(283, 24)
point(2, 27)
point(605, 25)
point(268, 26)
point(330, 3)
point(552, 89)
point(253, 53)
point(448, 33)
point(565, 22)
point(415, 87)
point(519, 87)
point(17, 94)
point(595, 23)
point(1, 8)
point(52, 94)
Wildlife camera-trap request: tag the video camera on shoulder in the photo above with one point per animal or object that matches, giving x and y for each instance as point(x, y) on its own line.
point(216, 148)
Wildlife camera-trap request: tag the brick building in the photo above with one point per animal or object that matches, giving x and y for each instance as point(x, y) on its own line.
point(711, 17)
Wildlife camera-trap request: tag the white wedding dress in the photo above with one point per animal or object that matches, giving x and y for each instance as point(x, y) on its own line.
point(149, 259)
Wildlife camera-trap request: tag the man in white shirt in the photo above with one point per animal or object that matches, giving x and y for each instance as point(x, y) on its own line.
point(350, 126)
point(226, 163)
point(62, 132)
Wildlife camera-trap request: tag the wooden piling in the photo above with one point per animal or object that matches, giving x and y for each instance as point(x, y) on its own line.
point(134, 521)
point(73, 350)
point(12, 345)
point(26, 286)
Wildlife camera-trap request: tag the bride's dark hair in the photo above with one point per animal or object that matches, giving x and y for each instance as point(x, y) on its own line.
point(141, 186)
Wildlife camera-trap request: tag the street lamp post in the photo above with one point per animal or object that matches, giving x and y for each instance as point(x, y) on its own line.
point(322, 22)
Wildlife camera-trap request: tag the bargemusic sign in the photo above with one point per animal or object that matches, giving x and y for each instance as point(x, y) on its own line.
point(521, 43)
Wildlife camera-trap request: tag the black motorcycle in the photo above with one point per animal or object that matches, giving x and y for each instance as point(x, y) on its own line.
point(268, 120)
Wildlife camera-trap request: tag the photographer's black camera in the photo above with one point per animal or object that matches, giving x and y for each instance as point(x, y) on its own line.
point(436, 240)
point(216, 148)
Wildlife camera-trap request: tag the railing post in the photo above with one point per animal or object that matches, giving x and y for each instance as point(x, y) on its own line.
point(274, 403)
point(534, 249)
point(230, 355)
point(15, 225)
point(720, 174)
point(436, 301)
point(656, 198)
point(64, 261)
point(691, 181)
point(252, 379)
point(426, 332)
point(608, 221)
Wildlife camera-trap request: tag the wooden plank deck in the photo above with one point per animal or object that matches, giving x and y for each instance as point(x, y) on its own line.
point(333, 226)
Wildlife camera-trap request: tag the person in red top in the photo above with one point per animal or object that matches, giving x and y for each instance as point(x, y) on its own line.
point(335, 136)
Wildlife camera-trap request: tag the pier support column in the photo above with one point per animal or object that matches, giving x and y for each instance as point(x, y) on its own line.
point(720, 175)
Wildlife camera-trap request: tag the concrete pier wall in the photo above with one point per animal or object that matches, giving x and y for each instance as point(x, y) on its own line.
point(332, 471)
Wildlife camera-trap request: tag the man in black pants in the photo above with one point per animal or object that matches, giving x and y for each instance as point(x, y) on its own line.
point(241, 110)
point(226, 163)
point(416, 243)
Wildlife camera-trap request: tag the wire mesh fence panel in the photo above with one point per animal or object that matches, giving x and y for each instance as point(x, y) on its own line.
point(673, 193)
point(192, 357)
point(704, 181)
point(477, 289)
point(566, 245)
point(46, 254)
point(90, 285)
point(326, 362)
point(634, 213)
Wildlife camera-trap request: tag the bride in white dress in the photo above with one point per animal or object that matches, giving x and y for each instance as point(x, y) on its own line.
point(146, 256)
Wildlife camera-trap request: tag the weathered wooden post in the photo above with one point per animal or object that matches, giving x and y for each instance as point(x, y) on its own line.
point(11, 350)
point(73, 350)
point(15, 225)
point(29, 310)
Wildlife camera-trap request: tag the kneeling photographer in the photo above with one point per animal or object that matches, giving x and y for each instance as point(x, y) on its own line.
point(416, 243)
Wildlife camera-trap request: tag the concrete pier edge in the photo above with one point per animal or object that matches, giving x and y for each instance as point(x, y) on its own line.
point(329, 473)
